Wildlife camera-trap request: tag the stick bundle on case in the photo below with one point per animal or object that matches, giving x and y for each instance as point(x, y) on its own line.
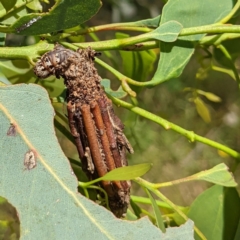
point(98, 132)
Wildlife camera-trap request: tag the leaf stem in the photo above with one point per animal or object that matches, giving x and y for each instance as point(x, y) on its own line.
point(26, 53)
point(119, 75)
point(218, 39)
point(168, 125)
point(227, 28)
point(229, 57)
point(107, 27)
point(231, 14)
point(170, 203)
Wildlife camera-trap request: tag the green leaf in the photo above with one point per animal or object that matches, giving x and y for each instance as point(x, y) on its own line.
point(8, 4)
point(218, 175)
point(232, 46)
point(210, 96)
point(202, 110)
point(2, 39)
point(216, 213)
point(6, 21)
point(157, 212)
point(175, 56)
point(3, 80)
point(128, 172)
point(167, 32)
point(46, 197)
point(119, 93)
point(150, 22)
point(135, 208)
point(35, 5)
point(65, 14)
point(237, 235)
point(131, 216)
point(179, 220)
point(137, 64)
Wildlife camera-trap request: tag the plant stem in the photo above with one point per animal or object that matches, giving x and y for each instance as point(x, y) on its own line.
point(140, 41)
point(170, 203)
point(144, 200)
point(229, 57)
point(230, 15)
point(168, 125)
point(107, 27)
point(119, 75)
point(27, 53)
point(223, 70)
point(218, 39)
point(210, 29)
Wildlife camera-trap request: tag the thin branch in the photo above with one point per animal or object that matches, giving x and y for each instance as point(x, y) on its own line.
point(229, 57)
point(168, 125)
point(231, 14)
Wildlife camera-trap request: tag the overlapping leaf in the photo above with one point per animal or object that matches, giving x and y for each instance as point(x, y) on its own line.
point(49, 191)
point(65, 14)
point(175, 56)
point(216, 212)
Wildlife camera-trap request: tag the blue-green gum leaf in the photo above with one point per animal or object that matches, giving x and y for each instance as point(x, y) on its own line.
point(49, 191)
point(167, 32)
point(150, 22)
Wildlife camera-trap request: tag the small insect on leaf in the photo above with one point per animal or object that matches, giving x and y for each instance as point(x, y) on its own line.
point(30, 160)
point(12, 130)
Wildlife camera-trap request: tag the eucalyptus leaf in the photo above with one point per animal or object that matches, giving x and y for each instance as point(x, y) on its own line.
point(185, 232)
point(64, 14)
point(150, 22)
point(8, 19)
point(45, 196)
point(156, 212)
point(167, 32)
point(2, 39)
point(175, 56)
point(218, 175)
point(210, 96)
point(128, 172)
point(119, 93)
point(202, 110)
point(137, 64)
point(8, 4)
point(35, 5)
point(216, 213)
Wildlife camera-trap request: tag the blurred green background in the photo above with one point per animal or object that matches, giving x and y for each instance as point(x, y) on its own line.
point(172, 155)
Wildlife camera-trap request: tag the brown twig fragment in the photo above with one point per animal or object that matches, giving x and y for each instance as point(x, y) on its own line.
point(97, 131)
